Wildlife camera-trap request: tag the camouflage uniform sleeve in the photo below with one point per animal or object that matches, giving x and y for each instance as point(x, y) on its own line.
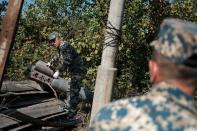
point(68, 56)
point(104, 116)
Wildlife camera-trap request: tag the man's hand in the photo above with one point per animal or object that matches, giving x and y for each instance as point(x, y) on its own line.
point(48, 64)
point(56, 74)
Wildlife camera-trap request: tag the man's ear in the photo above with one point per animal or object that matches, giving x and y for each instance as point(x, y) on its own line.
point(154, 71)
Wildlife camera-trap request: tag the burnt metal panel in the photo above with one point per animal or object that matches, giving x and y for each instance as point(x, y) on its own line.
point(45, 109)
point(18, 86)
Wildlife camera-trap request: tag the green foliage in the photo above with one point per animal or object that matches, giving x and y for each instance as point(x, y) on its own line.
point(140, 27)
point(82, 23)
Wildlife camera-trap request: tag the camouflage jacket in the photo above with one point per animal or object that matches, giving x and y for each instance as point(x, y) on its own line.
point(165, 108)
point(67, 59)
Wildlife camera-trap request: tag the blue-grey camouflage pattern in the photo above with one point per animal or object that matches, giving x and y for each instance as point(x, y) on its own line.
point(70, 61)
point(177, 40)
point(164, 108)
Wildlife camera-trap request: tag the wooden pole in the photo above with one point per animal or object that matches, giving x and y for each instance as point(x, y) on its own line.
point(7, 35)
point(107, 71)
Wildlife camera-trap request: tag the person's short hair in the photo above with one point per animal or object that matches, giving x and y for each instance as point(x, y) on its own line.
point(171, 71)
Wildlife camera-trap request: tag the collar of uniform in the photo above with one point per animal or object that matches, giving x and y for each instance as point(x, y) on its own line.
point(62, 44)
point(172, 91)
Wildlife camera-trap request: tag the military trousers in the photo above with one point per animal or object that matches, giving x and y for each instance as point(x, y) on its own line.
point(75, 86)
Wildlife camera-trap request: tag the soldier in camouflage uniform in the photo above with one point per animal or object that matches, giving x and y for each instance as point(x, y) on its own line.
point(169, 106)
point(68, 61)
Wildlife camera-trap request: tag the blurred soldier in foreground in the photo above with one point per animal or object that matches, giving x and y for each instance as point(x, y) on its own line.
point(67, 59)
point(173, 72)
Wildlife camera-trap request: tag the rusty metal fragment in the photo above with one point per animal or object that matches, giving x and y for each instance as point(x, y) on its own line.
point(8, 32)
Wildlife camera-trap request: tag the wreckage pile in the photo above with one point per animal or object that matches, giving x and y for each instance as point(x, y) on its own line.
point(26, 105)
point(34, 104)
